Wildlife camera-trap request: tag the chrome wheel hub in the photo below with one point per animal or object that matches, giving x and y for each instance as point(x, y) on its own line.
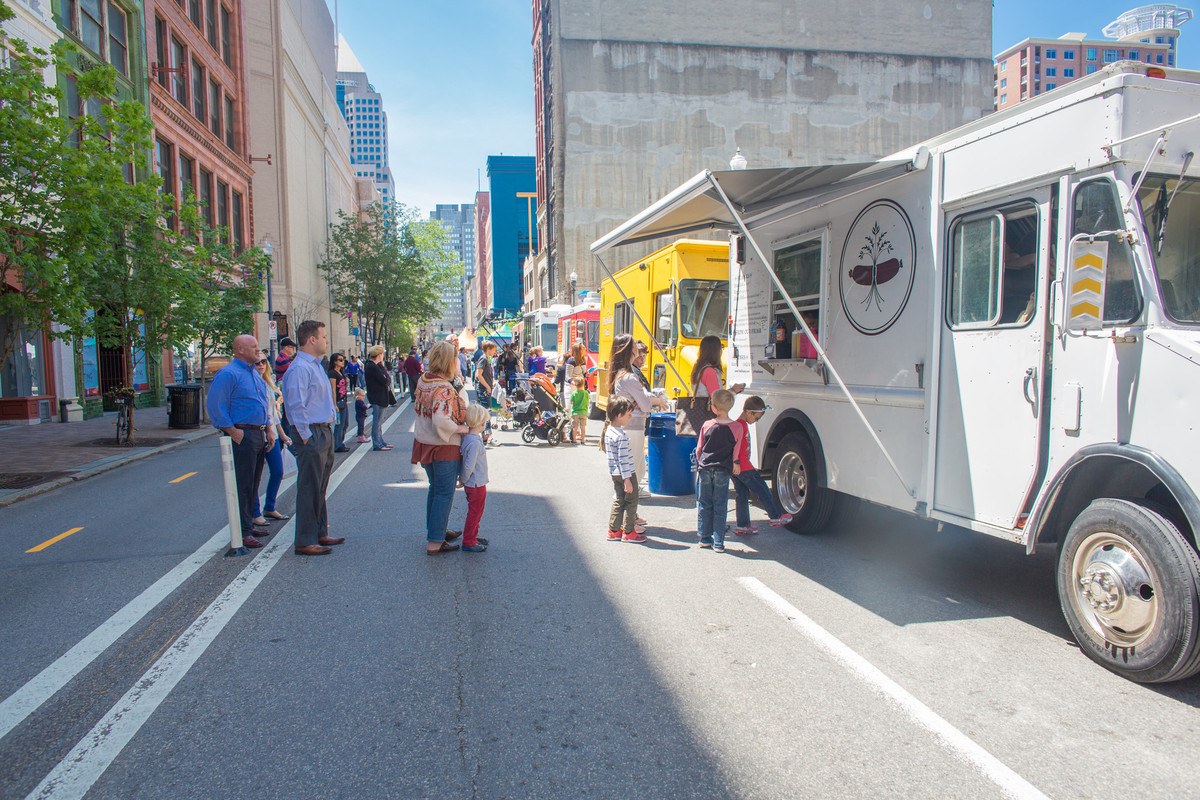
point(1115, 591)
point(792, 483)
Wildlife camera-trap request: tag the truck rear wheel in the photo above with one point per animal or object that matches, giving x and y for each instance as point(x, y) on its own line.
point(1129, 587)
point(796, 488)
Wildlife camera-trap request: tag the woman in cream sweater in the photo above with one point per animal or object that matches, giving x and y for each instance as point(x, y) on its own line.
point(437, 437)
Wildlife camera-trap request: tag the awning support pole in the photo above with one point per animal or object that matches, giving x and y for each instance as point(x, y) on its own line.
point(779, 287)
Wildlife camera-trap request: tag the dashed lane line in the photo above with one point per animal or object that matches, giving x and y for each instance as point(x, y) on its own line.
point(39, 548)
point(958, 743)
point(74, 776)
point(183, 478)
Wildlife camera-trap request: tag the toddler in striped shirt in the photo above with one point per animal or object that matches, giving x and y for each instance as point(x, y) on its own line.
point(615, 443)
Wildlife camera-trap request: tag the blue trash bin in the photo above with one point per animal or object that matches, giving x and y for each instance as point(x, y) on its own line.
point(671, 469)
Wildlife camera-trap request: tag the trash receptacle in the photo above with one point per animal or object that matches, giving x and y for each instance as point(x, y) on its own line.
point(183, 405)
point(670, 456)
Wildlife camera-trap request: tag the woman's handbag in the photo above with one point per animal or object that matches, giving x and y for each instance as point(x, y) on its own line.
point(690, 415)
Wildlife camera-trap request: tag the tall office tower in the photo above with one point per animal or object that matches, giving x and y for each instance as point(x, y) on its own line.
point(459, 221)
point(362, 107)
point(634, 98)
point(1149, 34)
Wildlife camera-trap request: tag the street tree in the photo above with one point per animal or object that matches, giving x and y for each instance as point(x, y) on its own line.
point(388, 269)
point(134, 270)
point(231, 284)
point(35, 260)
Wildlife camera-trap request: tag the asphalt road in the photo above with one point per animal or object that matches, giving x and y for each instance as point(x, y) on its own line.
point(880, 659)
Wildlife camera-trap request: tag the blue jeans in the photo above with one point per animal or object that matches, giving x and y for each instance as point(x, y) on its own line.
point(339, 428)
point(377, 426)
point(751, 482)
point(443, 475)
point(274, 478)
point(712, 505)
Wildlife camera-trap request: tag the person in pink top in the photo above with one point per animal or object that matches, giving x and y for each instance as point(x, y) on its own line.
point(706, 374)
point(749, 481)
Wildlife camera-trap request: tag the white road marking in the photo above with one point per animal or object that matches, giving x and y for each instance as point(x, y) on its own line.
point(87, 761)
point(961, 745)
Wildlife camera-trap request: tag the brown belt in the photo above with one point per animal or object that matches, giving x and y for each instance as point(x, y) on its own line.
point(250, 427)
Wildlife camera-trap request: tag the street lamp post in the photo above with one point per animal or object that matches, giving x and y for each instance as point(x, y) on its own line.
point(269, 249)
point(574, 278)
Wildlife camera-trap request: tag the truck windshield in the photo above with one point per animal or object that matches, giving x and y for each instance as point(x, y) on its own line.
point(1171, 215)
point(549, 336)
point(593, 336)
point(703, 308)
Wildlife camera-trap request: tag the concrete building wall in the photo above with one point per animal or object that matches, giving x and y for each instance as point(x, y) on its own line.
point(643, 97)
point(294, 117)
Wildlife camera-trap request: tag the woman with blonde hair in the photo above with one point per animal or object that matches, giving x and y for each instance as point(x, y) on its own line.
point(441, 417)
point(267, 511)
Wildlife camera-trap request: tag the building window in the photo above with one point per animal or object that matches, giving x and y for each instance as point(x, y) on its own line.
point(1158, 40)
point(239, 241)
point(1135, 55)
point(1050, 86)
point(196, 12)
point(1068, 72)
point(226, 48)
point(1111, 55)
point(230, 142)
point(179, 76)
point(1051, 72)
point(1091, 54)
point(212, 25)
point(206, 196)
point(166, 171)
point(1004, 65)
point(199, 93)
point(23, 372)
point(1004, 83)
point(1159, 58)
point(214, 108)
point(1069, 55)
point(1051, 53)
point(1170, 59)
point(91, 25)
point(1091, 68)
point(187, 176)
point(118, 40)
point(160, 51)
point(222, 205)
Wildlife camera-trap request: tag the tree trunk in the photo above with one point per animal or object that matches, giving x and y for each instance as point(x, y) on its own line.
point(128, 338)
point(203, 394)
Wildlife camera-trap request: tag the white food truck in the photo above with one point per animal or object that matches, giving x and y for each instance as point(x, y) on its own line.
point(1005, 336)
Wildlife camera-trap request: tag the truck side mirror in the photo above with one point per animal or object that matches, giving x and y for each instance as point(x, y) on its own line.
point(1087, 272)
point(664, 323)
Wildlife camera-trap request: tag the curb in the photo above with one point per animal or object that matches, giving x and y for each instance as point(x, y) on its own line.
point(102, 466)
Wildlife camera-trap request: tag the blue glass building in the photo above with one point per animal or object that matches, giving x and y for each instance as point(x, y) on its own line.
point(512, 185)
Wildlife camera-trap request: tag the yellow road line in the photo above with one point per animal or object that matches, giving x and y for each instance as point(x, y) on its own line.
point(183, 478)
point(49, 542)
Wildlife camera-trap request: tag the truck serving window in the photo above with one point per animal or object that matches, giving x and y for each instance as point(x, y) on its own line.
point(1171, 217)
point(798, 267)
point(703, 308)
point(1097, 207)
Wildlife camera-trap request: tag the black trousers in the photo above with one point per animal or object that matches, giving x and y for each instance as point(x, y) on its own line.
point(248, 459)
point(314, 463)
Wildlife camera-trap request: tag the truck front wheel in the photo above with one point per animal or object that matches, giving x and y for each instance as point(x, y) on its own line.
point(1129, 587)
point(796, 488)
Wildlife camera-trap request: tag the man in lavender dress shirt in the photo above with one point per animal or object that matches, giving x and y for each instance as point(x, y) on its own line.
point(308, 398)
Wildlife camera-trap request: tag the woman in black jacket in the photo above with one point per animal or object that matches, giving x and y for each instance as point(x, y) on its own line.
point(379, 395)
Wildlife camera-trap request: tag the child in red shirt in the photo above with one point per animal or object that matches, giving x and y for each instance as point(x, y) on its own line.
point(749, 480)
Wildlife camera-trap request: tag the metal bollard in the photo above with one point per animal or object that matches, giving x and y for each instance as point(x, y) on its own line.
point(236, 548)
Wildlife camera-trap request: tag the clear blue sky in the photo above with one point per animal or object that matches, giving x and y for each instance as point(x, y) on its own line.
point(457, 77)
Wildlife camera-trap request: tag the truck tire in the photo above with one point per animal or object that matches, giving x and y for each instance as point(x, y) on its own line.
point(1129, 587)
point(795, 485)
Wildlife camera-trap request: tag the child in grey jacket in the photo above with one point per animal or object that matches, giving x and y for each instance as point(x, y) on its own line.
point(474, 477)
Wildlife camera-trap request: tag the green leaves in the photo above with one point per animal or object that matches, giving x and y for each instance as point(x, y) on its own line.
point(388, 269)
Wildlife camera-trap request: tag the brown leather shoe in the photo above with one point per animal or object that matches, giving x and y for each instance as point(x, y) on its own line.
point(251, 542)
point(313, 550)
point(331, 540)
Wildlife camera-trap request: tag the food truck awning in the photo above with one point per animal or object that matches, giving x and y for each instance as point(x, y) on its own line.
point(697, 205)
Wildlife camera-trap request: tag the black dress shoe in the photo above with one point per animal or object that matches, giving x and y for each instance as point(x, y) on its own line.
point(341, 450)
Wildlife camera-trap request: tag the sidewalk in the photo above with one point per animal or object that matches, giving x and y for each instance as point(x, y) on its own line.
point(38, 458)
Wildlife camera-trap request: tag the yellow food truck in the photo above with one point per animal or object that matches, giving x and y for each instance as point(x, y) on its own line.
point(677, 296)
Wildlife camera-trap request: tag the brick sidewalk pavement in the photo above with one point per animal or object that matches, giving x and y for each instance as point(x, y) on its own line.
point(38, 458)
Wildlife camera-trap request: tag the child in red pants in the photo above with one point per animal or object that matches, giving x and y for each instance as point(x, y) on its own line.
point(474, 477)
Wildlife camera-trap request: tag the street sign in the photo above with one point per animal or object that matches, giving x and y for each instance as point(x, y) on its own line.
point(272, 330)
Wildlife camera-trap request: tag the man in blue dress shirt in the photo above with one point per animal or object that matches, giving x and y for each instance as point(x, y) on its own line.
point(308, 398)
point(238, 406)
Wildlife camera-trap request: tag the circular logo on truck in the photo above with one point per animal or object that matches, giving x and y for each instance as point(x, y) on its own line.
point(878, 267)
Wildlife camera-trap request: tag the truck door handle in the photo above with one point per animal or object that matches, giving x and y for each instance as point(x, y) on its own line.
point(1030, 386)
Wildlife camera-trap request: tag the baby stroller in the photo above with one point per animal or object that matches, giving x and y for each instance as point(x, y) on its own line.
point(550, 420)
